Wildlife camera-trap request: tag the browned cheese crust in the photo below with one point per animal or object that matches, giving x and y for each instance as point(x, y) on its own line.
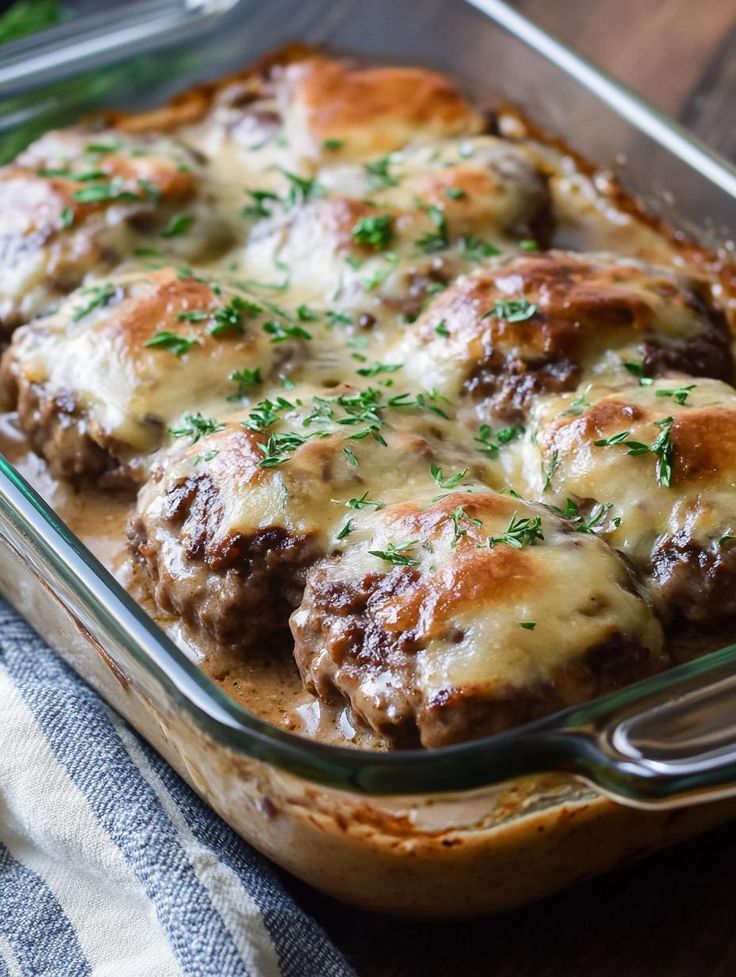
point(454, 638)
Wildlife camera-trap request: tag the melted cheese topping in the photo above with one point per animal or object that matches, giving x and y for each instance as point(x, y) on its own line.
point(482, 621)
point(80, 202)
point(599, 451)
point(307, 304)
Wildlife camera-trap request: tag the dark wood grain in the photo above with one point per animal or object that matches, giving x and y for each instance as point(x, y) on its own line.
point(673, 915)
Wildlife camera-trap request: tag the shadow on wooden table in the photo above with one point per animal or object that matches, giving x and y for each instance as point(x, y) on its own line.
point(671, 915)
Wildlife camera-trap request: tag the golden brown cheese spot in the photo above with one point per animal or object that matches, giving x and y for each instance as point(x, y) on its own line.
point(456, 638)
point(122, 361)
point(540, 324)
point(376, 110)
point(673, 526)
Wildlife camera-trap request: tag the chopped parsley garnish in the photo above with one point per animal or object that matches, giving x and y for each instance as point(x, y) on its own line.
point(528, 245)
point(207, 456)
point(661, 447)
point(337, 318)
point(192, 315)
point(678, 394)
point(490, 442)
point(245, 378)
point(595, 521)
point(460, 523)
point(350, 455)
point(332, 145)
point(438, 239)
point(279, 448)
point(364, 503)
point(229, 317)
point(99, 295)
point(172, 341)
point(196, 426)
point(374, 232)
point(379, 176)
point(266, 412)
point(115, 190)
point(512, 310)
point(305, 314)
point(474, 248)
point(346, 530)
point(637, 370)
point(67, 217)
point(455, 193)
point(549, 472)
point(726, 538)
point(397, 554)
point(258, 206)
point(179, 224)
point(441, 329)
point(102, 148)
point(281, 331)
point(528, 625)
point(376, 368)
point(519, 532)
point(146, 252)
point(301, 189)
point(449, 482)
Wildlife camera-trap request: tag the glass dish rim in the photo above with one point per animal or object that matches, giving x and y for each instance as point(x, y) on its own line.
point(552, 744)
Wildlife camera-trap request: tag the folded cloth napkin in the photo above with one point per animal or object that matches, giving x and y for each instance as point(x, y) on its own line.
point(109, 864)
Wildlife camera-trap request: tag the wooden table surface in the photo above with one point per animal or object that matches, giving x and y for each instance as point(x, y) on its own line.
point(673, 915)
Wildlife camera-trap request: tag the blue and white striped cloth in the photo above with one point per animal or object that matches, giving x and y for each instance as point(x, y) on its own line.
point(109, 865)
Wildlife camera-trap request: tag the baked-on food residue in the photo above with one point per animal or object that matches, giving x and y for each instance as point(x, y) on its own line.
point(419, 429)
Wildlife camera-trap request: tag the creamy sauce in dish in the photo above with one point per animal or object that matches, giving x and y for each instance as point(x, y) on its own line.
point(325, 333)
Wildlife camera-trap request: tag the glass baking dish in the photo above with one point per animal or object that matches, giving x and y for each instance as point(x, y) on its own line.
point(468, 829)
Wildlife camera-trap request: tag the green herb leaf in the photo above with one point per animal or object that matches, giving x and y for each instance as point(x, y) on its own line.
point(550, 471)
point(99, 295)
point(439, 239)
point(374, 232)
point(179, 224)
point(258, 206)
point(196, 426)
point(474, 248)
point(364, 503)
point(397, 554)
point(301, 189)
point(379, 176)
point(281, 331)
point(441, 329)
point(512, 310)
point(346, 530)
point(376, 368)
point(519, 532)
point(170, 340)
point(461, 521)
point(678, 394)
point(528, 625)
point(490, 443)
point(449, 482)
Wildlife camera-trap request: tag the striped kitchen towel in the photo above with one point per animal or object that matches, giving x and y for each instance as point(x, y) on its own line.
point(109, 864)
